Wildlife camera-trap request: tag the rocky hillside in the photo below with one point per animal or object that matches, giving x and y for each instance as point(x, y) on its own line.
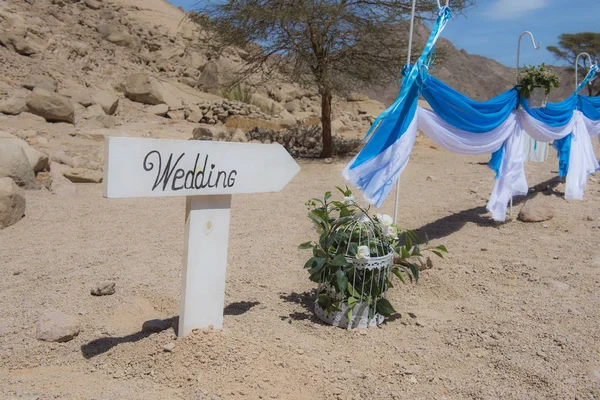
point(478, 77)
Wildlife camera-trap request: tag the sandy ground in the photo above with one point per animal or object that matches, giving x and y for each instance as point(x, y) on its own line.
point(511, 313)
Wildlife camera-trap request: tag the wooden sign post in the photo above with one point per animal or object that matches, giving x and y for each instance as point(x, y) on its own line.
point(208, 173)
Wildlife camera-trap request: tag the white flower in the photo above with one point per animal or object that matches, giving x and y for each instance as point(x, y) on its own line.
point(391, 231)
point(363, 252)
point(348, 199)
point(385, 219)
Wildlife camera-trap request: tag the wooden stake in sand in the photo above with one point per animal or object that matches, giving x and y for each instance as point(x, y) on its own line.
point(208, 173)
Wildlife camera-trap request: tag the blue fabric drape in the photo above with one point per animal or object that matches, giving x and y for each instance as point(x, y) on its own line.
point(554, 114)
point(464, 113)
point(590, 107)
point(392, 123)
point(563, 147)
point(496, 161)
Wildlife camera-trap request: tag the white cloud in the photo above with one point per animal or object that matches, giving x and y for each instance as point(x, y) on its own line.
point(509, 9)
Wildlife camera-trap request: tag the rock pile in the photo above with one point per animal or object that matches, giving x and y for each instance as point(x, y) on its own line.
point(299, 140)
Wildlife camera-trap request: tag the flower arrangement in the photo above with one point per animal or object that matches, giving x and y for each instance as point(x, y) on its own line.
point(356, 255)
point(534, 77)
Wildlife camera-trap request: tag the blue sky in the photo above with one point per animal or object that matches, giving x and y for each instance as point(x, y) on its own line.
point(492, 27)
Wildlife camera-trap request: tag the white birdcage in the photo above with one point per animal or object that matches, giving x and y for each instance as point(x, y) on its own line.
point(368, 273)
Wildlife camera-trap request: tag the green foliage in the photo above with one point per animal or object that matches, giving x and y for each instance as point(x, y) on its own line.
point(348, 234)
point(238, 93)
point(572, 44)
point(537, 76)
point(336, 46)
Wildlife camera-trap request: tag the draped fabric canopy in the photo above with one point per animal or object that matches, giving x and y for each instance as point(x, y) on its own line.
point(465, 126)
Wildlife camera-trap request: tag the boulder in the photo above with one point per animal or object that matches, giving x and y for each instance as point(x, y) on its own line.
point(51, 106)
point(55, 326)
point(82, 175)
point(103, 289)
point(144, 88)
point(59, 185)
point(13, 106)
point(210, 76)
point(197, 61)
point(239, 136)
point(195, 116)
point(77, 95)
point(123, 39)
point(93, 4)
point(12, 203)
point(191, 82)
point(107, 29)
point(207, 132)
point(14, 164)
point(160, 109)
point(99, 122)
point(32, 82)
point(108, 101)
point(536, 209)
point(38, 160)
point(177, 115)
point(17, 41)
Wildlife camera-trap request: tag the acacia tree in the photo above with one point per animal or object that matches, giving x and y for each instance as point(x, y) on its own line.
point(337, 46)
point(572, 44)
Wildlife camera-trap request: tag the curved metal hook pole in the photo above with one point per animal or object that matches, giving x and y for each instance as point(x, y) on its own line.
point(440, 4)
point(519, 49)
point(539, 45)
point(577, 66)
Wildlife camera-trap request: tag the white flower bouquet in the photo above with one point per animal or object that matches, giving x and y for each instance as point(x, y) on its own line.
point(353, 259)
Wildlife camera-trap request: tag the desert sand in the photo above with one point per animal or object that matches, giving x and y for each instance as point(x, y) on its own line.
point(511, 313)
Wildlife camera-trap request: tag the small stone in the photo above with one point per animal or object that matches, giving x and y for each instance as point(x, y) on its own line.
point(536, 210)
point(55, 326)
point(327, 161)
point(103, 289)
point(419, 324)
point(413, 379)
point(169, 347)
point(430, 178)
point(155, 325)
point(15, 273)
point(559, 286)
point(82, 175)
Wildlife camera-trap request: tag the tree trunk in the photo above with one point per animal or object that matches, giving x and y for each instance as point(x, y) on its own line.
point(326, 124)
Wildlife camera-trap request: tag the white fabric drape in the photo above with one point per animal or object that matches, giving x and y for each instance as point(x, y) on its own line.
point(511, 180)
point(592, 126)
point(463, 142)
point(582, 160)
point(386, 168)
point(535, 151)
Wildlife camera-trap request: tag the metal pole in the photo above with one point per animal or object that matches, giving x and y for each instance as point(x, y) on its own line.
point(517, 78)
point(410, 36)
point(519, 49)
point(577, 66)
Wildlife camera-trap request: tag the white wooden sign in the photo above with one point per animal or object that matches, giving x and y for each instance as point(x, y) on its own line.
point(208, 173)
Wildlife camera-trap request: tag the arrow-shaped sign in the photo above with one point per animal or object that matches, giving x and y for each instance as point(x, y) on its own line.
point(139, 167)
point(208, 173)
